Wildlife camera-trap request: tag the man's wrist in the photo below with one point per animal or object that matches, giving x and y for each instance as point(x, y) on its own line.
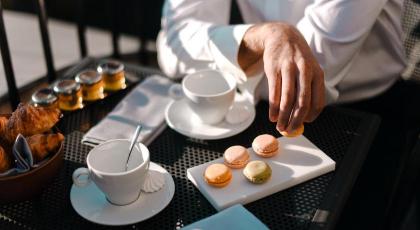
point(253, 41)
point(251, 49)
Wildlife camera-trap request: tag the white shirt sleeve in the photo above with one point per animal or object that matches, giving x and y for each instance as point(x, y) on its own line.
point(195, 35)
point(335, 31)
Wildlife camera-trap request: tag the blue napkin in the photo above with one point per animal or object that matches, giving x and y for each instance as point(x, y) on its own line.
point(235, 217)
point(22, 156)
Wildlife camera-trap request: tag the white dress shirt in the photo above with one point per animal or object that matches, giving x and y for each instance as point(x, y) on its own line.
point(358, 43)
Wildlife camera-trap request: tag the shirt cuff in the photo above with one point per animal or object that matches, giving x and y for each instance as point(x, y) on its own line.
point(224, 45)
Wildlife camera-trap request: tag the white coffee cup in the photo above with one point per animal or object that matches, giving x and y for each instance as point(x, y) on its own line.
point(209, 93)
point(106, 168)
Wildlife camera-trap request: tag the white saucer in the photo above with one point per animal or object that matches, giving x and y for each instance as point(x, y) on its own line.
point(90, 203)
point(179, 117)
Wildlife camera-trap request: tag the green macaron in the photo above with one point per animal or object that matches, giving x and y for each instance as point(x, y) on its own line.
point(257, 172)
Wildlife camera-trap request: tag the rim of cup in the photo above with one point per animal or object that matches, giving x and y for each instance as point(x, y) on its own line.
point(140, 145)
point(226, 75)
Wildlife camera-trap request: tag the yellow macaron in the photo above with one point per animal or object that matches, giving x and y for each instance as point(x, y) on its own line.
point(294, 133)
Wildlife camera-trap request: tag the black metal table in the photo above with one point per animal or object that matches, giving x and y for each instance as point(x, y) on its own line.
point(344, 135)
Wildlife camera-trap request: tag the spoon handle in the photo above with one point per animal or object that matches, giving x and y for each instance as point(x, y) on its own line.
point(133, 142)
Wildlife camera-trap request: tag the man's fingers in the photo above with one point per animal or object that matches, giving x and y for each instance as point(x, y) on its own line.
point(318, 96)
point(288, 90)
point(274, 88)
point(303, 100)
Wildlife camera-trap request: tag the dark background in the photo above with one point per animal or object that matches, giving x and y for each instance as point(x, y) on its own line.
point(133, 17)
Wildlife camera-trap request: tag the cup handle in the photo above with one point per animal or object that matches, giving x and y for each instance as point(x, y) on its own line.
point(175, 91)
point(81, 177)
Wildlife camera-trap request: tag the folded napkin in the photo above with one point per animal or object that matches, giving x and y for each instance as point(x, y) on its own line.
point(235, 217)
point(22, 154)
point(144, 105)
point(22, 158)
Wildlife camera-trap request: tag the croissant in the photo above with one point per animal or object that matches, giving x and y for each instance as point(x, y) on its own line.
point(29, 120)
point(3, 125)
point(3, 130)
point(43, 144)
point(5, 163)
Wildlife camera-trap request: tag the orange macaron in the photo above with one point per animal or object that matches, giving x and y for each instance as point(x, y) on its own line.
point(294, 133)
point(236, 156)
point(217, 175)
point(265, 145)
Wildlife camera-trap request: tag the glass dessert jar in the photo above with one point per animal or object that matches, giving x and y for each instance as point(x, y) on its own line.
point(45, 97)
point(69, 95)
point(112, 73)
point(92, 85)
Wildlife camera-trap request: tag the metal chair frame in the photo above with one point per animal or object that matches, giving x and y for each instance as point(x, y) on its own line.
point(13, 92)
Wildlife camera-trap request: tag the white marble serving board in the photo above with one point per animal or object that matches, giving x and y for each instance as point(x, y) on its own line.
point(299, 160)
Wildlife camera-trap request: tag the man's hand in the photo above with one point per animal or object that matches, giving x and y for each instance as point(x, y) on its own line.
point(295, 79)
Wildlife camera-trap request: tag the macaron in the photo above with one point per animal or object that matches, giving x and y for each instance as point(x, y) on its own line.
point(265, 145)
point(294, 133)
point(257, 172)
point(217, 175)
point(236, 156)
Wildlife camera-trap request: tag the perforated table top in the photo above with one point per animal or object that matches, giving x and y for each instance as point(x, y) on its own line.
point(342, 134)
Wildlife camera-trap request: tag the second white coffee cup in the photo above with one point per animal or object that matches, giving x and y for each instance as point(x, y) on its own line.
point(106, 168)
point(209, 93)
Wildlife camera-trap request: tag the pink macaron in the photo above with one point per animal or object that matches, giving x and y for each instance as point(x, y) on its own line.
point(265, 145)
point(236, 156)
